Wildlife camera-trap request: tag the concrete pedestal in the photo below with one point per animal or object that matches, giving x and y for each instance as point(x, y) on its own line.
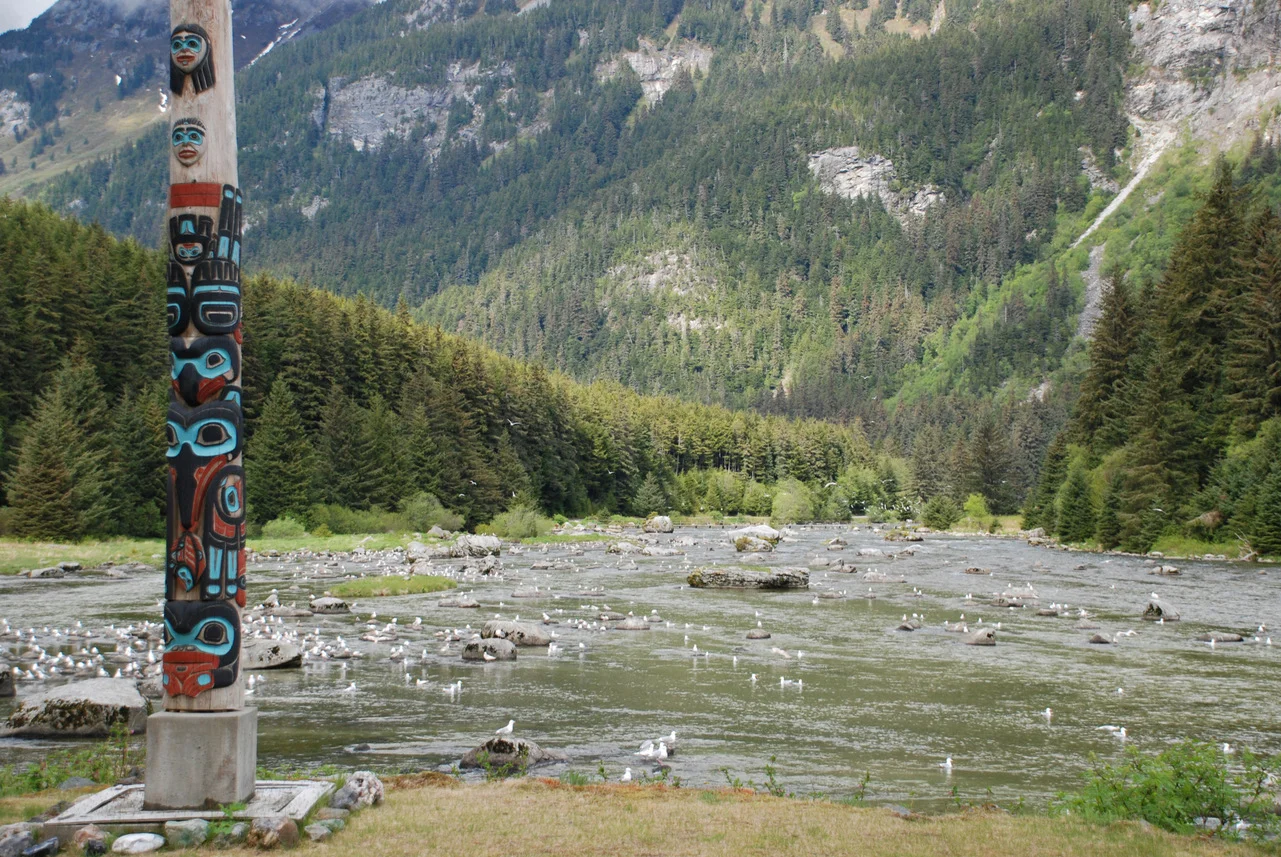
point(201, 761)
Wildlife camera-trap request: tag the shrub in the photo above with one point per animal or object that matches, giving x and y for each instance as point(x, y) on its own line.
point(976, 508)
point(423, 511)
point(520, 522)
point(1175, 787)
point(757, 499)
point(940, 513)
point(344, 521)
point(283, 528)
point(793, 503)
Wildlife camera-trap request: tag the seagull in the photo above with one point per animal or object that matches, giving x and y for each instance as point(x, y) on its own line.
point(1049, 714)
point(488, 656)
point(946, 764)
point(506, 730)
point(351, 688)
point(627, 776)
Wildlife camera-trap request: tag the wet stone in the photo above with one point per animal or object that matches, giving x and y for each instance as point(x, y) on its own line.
point(187, 834)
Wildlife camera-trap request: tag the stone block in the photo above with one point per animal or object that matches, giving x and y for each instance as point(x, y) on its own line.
point(199, 761)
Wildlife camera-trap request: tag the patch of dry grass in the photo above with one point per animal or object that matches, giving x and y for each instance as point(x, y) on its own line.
point(17, 555)
point(541, 817)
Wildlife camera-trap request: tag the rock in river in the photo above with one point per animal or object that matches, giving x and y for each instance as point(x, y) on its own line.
point(982, 637)
point(751, 544)
point(632, 623)
point(758, 634)
point(328, 605)
point(511, 753)
point(82, 708)
point(659, 524)
point(760, 531)
point(497, 648)
point(520, 633)
point(738, 578)
point(1160, 613)
point(259, 654)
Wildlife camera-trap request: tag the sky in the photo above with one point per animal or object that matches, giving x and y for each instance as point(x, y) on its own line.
point(16, 14)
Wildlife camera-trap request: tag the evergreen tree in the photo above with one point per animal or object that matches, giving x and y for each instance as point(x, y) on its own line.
point(650, 497)
point(1076, 518)
point(1040, 511)
point(1266, 534)
point(990, 462)
point(1254, 361)
point(1109, 524)
point(279, 461)
point(138, 467)
point(1100, 414)
point(348, 471)
point(59, 487)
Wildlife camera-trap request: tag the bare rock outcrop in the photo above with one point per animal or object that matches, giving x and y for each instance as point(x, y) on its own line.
point(848, 173)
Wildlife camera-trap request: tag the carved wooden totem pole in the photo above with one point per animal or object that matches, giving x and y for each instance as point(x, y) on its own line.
point(202, 750)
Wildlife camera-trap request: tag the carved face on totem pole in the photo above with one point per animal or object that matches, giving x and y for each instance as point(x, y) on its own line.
point(202, 646)
point(205, 488)
point(210, 297)
point(188, 140)
point(201, 371)
point(190, 58)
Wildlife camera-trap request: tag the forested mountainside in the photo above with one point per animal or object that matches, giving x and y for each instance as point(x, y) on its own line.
point(400, 154)
point(347, 405)
point(1178, 424)
point(798, 207)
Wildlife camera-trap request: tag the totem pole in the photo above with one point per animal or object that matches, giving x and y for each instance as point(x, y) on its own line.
point(202, 750)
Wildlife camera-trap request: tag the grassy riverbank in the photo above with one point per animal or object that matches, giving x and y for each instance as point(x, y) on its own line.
point(535, 817)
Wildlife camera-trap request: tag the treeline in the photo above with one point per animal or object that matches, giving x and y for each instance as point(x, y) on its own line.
point(1177, 430)
point(347, 404)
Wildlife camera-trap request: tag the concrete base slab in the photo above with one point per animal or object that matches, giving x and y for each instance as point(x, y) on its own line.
point(201, 761)
point(120, 809)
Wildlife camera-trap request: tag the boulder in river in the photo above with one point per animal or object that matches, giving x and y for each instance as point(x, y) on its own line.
point(758, 634)
point(1100, 640)
point(519, 633)
point(659, 524)
point(976, 570)
point(6, 680)
point(437, 533)
point(913, 624)
point(751, 544)
point(982, 637)
point(478, 546)
point(259, 654)
point(760, 531)
point(509, 754)
point(739, 578)
point(632, 623)
point(328, 605)
point(1160, 613)
point(82, 708)
point(496, 647)
point(1220, 637)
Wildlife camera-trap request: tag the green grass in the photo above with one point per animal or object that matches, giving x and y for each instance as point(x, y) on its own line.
point(392, 584)
point(17, 555)
point(369, 541)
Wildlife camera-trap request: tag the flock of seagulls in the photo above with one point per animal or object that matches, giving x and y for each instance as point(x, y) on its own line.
point(134, 650)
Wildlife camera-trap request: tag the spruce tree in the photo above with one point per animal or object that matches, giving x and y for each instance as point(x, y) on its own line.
point(1076, 518)
point(991, 462)
point(1265, 536)
point(1109, 524)
point(279, 460)
point(59, 486)
point(1040, 511)
point(1100, 415)
point(138, 466)
point(1254, 359)
point(650, 497)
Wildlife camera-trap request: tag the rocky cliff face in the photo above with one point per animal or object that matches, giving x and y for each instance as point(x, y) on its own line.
point(658, 67)
point(848, 173)
point(1211, 65)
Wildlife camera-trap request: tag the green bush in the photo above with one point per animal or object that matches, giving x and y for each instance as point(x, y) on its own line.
point(1175, 787)
point(976, 508)
point(793, 503)
point(283, 528)
point(757, 499)
point(346, 522)
point(423, 511)
point(520, 522)
point(941, 512)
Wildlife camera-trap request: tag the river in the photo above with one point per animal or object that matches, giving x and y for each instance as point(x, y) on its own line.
point(874, 700)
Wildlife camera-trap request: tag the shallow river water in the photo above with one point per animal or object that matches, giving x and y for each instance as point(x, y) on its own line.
point(889, 703)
